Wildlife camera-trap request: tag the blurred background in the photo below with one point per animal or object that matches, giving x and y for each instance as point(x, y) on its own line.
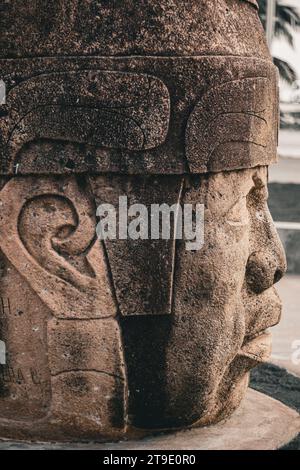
point(281, 377)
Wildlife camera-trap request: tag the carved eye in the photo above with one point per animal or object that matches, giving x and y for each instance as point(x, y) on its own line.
point(258, 196)
point(238, 215)
point(233, 126)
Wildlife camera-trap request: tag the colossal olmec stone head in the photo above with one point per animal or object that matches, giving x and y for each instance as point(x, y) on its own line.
point(165, 102)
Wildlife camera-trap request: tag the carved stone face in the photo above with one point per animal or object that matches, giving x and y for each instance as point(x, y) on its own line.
point(197, 359)
point(105, 337)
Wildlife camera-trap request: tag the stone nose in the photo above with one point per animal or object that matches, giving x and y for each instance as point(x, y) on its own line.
point(265, 268)
point(267, 265)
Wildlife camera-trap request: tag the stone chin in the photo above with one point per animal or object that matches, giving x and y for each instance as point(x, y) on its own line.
point(255, 350)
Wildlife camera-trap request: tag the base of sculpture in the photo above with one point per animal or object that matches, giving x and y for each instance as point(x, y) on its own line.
point(261, 423)
point(73, 428)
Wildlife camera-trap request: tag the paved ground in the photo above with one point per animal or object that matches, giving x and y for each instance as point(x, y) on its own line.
point(286, 336)
point(278, 383)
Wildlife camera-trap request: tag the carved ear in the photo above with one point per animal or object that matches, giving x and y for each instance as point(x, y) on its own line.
point(233, 126)
point(106, 109)
point(47, 232)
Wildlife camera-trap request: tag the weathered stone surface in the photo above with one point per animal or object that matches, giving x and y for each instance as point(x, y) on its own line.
point(25, 392)
point(151, 115)
point(104, 109)
point(253, 2)
point(163, 103)
point(89, 401)
point(198, 358)
point(169, 27)
point(56, 301)
point(261, 423)
point(47, 227)
point(85, 345)
point(88, 376)
point(136, 293)
point(234, 125)
point(211, 318)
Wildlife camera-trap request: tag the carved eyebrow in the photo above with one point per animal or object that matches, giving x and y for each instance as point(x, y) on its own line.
point(259, 189)
point(263, 191)
point(259, 183)
point(237, 220)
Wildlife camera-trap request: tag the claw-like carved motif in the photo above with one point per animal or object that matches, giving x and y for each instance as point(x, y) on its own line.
point(55, 250)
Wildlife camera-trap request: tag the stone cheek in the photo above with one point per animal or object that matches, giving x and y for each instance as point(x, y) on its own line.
point(143, 280)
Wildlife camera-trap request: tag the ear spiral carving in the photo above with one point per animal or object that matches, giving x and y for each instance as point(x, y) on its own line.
point(47, 231)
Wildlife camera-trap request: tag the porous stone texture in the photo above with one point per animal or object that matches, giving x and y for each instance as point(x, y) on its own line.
point(147, 27)
point(165, 103)
point(261, 423)
point(137, 115)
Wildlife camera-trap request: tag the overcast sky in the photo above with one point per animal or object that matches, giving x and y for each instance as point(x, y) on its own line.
point(282, 50)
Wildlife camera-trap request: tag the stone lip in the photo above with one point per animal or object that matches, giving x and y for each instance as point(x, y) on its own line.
point(147, 27)
point(261, 423)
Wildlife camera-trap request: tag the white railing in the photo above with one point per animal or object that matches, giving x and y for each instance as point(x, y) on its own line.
point(288, 225)
point(270, 21)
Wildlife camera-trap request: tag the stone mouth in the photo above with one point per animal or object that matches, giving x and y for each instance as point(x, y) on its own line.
point(253, 336)
point(264, 316)
point(258, 346)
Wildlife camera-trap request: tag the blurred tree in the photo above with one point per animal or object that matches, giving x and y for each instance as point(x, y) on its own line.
point(287, 20)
